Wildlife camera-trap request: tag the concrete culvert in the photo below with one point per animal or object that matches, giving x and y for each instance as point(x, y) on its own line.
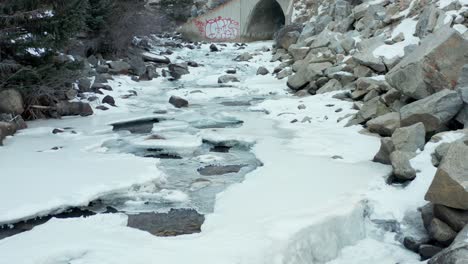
point(267, 17)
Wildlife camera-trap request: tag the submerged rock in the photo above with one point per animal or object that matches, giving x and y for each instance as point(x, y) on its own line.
point(174, 223)
point(178, 102)
point(212, 170)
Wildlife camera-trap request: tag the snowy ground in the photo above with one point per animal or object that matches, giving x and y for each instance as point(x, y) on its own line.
point(301, 206)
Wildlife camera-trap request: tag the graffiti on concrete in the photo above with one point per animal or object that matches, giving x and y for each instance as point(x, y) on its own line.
point(219, 28)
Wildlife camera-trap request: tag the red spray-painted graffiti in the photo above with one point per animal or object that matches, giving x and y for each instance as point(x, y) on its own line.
point(219, 28)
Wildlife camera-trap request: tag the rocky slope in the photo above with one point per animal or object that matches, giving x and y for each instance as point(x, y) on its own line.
point(405, 65)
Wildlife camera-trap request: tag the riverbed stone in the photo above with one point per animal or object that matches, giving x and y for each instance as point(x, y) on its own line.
point(178, 102)
point(434, 111)
point(401, 165)
point(435, 65)
point(11, 102)
point(262, 71)
point(384, 125)
point(175, 222)
point(439, 153)
point(228, 78)
point(119, 67)
point(450, 184)
point(176, 70)
point(409, 139)
point(108, 100)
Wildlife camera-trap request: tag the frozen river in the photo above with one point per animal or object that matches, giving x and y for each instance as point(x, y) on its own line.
point(277, 177)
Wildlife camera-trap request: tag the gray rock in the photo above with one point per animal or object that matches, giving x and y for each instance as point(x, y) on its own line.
point(119, 67)
point(348, 43)
point(463, 82)
point(401, 165)
point(439, 153)
point(391, 96)
point(148, 56)
point(331, 86)
point(227, 78)
point(384, 125)
point(414, 244)
point(288, 35)
point(427, 214)
point(11, 102)
point(212, 170)
point(441, 232)
point(244, 57)
point(284, 73)
point(371, 109)
point(65, 108)
point(433, 66)
point(427, 21)
point(262, 71)
point(305, 74)
point(298, 52)
point(137, 64)
point(434, 111)
point(457, 253)
point(178, 102)
point(409, 139)
point(362, 71)
point(102, 69)
point(455, 218)
point(175, 222)
point(427, 251)
point(176, 70)
point(371, 95)
point(462, 117)
point(213, 48)
point(450, 184)
point(108, 100)
point(84, 84)
point(6, 129)
point(386, 148)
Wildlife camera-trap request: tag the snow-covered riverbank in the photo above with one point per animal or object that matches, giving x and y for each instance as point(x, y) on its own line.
point(312, 201)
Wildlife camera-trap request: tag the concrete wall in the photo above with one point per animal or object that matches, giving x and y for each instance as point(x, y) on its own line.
point(229, 22)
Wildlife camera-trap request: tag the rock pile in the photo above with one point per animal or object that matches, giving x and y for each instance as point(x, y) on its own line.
point(405, 65)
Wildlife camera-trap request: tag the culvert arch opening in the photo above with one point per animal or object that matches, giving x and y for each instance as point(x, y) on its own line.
point(266, 18)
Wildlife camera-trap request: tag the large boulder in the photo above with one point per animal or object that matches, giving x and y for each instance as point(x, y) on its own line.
point(11, 102)
point(433, 66)
point(457, 253)
point(450, 184)
point(384, 125)
point(288, 35)
point(305, 74)
point(434, 111)
point(410, 138)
